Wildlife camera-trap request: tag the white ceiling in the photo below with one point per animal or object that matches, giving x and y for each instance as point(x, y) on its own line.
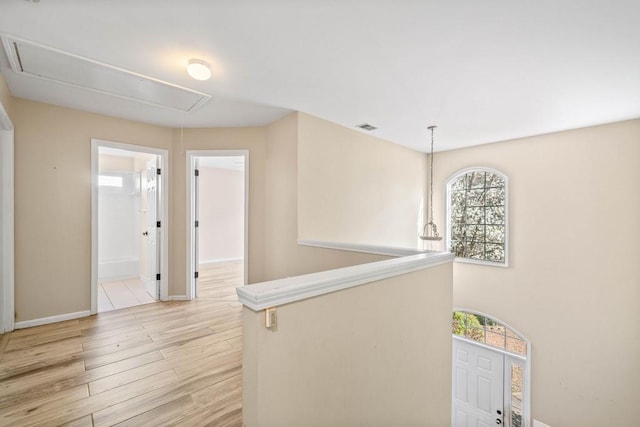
point(483, 71)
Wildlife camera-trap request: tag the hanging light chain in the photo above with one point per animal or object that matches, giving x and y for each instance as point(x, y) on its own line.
point(434, 229)
point(431, 128)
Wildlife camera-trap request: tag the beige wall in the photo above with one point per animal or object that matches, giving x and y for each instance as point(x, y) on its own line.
point(374, 355)
point(356, 188)
point(221, 214)
point(53, 193)
point(53, 202)
point(283, 256)
point(573, 286)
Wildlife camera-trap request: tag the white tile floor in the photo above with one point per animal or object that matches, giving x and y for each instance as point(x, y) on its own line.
point(122, 293)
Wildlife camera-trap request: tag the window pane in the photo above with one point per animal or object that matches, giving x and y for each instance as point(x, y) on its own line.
point(474, 250)
point(477, 179)
point(477, 216)
point(494, 253)
point(475, 333)
point(493, 180)
point(474, 216)
point(458, 184)
point(516, 395)
point(495, 233)
point(457, 199)
point(516, 345)
point(495, 339)
point(473, 233)
point(475, 198)
point(495, 197)
point(495, 215)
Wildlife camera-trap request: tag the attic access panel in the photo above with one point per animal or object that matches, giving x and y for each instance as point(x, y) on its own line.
point(66, 68)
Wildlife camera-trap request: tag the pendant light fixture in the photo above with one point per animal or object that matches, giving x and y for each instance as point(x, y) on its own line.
point(430, 231)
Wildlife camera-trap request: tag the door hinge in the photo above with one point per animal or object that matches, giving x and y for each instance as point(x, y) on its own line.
point(158, 224)
point(158, 171)
point(158, 276)
point(197, 224)
point(195, 275)
point(196, 172)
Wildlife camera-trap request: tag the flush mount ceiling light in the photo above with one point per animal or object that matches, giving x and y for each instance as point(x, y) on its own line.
point(199, 69)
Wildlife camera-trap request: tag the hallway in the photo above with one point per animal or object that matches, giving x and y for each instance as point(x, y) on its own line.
point(170, 363)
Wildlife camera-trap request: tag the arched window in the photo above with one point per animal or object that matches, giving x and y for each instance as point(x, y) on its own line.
point(477, 216)
point(487, 331)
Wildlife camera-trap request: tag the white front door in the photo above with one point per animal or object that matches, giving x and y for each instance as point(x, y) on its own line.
point(153, 266)
point(478, 386)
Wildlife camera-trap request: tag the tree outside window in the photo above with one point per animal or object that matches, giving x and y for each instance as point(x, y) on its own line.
point(477, 215)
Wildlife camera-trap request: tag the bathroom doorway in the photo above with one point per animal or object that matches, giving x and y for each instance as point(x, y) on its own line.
point(128, 242)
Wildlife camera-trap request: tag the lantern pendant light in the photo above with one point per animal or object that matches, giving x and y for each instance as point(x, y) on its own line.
point(430, 231)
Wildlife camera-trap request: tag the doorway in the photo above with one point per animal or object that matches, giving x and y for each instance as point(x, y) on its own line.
point(129, 215)
point(217, 222)
point(491, 373)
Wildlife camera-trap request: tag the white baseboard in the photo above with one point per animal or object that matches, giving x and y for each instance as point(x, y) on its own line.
point(178, 298)
point(52, 319)
point(219, 260)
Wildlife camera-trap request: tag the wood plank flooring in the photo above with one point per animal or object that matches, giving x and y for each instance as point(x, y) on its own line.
point(168, 363)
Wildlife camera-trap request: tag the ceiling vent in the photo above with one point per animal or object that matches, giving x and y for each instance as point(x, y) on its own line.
point(73, 70)
point(367, 127)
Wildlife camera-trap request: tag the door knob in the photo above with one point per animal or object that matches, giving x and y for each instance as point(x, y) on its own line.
point(499, 412)
point(146, 233)
point(498, 421)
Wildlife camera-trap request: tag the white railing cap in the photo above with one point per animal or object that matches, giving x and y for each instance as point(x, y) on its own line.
point(283, 291)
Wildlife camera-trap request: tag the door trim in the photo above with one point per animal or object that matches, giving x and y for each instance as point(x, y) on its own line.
point(7, 248)
point(524, 361)
point(191, 159)
point(164, 206)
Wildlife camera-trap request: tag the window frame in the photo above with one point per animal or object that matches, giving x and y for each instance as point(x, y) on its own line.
point(447, 231)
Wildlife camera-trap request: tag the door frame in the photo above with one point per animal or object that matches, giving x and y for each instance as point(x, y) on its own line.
point(164, 213)
point(191, 156)
point(7, 245)
point(525, 362)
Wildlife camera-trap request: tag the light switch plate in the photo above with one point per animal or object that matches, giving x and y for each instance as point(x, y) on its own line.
point(270, 318)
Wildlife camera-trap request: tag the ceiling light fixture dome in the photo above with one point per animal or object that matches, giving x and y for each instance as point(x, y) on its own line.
point(199, 69)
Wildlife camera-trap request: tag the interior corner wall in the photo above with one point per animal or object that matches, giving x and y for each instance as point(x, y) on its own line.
point(53, 202)
point(251, 139)
point(573, 283)
point(283, 256)
point(356, 188)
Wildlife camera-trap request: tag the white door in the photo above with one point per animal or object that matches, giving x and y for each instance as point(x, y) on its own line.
point(153, 259)
point(478, 386)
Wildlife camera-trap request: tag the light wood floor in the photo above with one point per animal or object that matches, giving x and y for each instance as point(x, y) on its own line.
point(169, 363)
